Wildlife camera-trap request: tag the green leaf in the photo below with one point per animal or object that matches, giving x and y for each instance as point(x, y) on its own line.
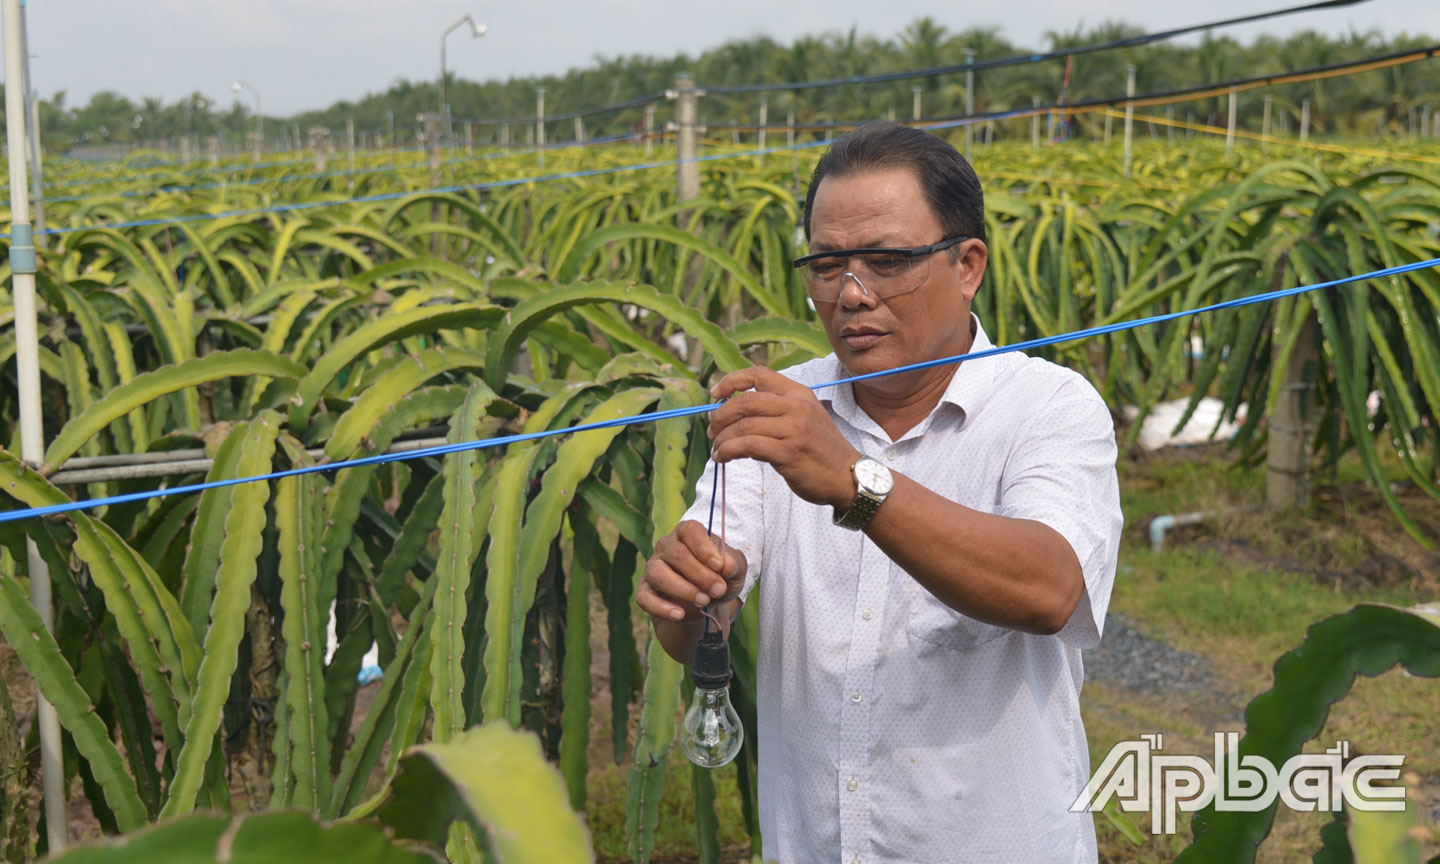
point(496, 780)
point(1367, 640)
point(38, 652)
point(244, 525)
point(149, 386)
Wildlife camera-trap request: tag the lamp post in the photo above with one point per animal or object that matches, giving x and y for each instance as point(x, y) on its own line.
point(239, 86)
point(476, 31)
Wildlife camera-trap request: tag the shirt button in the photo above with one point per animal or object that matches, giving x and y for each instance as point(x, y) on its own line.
point(855, 697)
point(853, 784)
point(867, 614)
point(891, 455)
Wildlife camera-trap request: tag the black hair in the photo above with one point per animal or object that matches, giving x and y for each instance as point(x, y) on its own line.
point(949, 183)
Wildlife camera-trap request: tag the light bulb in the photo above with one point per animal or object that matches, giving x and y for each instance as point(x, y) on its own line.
point(711, 733)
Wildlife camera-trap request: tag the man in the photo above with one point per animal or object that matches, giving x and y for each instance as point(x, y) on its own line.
point(936, 546)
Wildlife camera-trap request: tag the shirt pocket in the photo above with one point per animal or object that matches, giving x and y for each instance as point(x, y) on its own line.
point(934, 622)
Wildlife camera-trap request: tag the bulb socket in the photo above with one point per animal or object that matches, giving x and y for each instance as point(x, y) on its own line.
point(712, 663)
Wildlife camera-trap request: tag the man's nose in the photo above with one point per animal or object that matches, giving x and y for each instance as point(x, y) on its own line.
point(853, 292)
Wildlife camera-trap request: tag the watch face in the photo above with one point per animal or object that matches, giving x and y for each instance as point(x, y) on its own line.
point(873, 477)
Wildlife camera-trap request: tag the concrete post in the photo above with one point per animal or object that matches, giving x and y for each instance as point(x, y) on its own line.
point(1265, 121)
point(649, 130)
point(212, 148)
point(579, 131)
point(790, 129)
point(1287, 456)
point(1230, 124)
point(1109, 121)
point(969, 105)
point(1035, 125)
point(915, 110)
point(350, 146)
point(185, 150)
point(1129, 115)
point(1170, 127)
point(540, 123)
point(687, 111)
point(764, 119)
point(1305, 120)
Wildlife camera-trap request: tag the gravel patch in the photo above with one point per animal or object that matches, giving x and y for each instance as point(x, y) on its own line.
point(1127, 658)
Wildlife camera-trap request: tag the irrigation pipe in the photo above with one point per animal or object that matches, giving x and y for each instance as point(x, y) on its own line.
point(653, 416)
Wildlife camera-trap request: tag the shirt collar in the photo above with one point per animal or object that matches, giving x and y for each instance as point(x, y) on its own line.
point(968, 389)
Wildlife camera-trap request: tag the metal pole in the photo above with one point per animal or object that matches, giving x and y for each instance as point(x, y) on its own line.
point(32, 128)
point(540, 123)
point(1305, 120)
point(969, 103)
point(1129, 114)
point(27, 373)
point(915, 104)
point(1230, 125)
point(687, 110)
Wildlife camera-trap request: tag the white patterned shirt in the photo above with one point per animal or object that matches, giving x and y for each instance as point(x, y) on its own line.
point(893, 728)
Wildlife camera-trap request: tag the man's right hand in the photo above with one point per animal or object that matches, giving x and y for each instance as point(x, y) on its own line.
point(688, 572)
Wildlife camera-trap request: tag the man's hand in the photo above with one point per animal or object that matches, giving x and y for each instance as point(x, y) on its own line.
point(688, 572)
point(775, 420)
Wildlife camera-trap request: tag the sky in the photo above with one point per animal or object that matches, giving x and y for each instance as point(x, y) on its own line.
point(307, 54)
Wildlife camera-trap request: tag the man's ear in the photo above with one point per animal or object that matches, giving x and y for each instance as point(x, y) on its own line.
point(974, 256)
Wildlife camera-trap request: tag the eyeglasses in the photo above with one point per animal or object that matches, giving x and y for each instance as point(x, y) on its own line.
point(883, 271)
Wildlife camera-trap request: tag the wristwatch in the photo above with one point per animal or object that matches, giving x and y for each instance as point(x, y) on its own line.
point(873, 483)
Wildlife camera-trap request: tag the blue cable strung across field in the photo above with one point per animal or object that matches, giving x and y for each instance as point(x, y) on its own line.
point(380, 169)
point(653, 416)
point(439, 190)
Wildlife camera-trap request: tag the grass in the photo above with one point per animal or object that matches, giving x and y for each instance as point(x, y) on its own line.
point(1240, 589)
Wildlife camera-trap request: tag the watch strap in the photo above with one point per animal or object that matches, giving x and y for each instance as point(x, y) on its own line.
point(860, 512)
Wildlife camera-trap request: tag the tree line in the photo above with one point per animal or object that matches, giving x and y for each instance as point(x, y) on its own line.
point(1385, 101)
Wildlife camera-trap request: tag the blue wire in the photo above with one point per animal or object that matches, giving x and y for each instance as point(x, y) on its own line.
point(468, 187)
point(654, 416)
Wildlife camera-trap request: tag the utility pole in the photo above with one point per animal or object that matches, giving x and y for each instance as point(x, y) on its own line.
point(27, 373)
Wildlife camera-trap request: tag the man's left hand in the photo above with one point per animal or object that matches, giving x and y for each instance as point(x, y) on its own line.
point(775, 420)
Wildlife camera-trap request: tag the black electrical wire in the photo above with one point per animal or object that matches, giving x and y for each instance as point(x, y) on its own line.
point(1142, 39)
point(1018, 60)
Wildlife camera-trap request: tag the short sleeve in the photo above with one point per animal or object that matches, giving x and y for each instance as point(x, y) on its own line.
point(744, 519)
point(1062, 474)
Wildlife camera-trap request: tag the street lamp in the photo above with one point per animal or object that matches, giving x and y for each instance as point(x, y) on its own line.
point(238, 86)
point(476, 31)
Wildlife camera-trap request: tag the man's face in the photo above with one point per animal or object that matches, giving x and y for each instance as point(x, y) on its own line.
point(870, 333)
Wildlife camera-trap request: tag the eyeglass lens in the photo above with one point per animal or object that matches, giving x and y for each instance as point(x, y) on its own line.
point(885, 275)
